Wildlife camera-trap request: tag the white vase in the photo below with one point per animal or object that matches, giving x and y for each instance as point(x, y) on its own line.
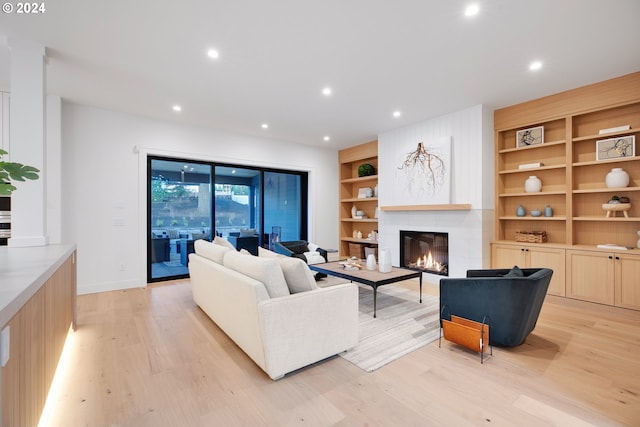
point(384, 262)
point(532, 184)
point(617, 178)
point(371, 262)
point(353, 211)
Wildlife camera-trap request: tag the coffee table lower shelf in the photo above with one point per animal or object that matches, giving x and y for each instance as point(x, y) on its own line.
point(371, 278)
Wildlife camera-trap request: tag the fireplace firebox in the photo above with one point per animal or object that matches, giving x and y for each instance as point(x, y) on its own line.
point(425, 251)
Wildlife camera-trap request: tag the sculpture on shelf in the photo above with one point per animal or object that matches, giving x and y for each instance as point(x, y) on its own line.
point(14, 171)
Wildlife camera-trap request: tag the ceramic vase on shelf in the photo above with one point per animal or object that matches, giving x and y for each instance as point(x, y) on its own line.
point(532, 184)
point(617, 178)
point(520, 211)
point(548, 211)
point(353, 211)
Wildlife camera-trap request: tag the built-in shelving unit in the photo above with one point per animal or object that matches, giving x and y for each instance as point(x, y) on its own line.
point(350, 184)
point(573, 184)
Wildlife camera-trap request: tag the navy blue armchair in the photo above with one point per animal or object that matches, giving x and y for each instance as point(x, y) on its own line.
point(511, 304)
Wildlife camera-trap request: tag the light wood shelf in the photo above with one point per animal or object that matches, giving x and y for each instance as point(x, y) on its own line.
point(443, 207)
point(350, 183)
point(573, 185)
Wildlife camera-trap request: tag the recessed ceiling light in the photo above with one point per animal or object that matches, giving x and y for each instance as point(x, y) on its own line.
point(326, 138)
point(326, 91)
point(265, 126)
point(177, 108)
point(471, 10)
point(397, 113)
point(535, 65)
point(212, 53)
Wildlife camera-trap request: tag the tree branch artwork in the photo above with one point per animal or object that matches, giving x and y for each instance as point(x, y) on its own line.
point(424, 169)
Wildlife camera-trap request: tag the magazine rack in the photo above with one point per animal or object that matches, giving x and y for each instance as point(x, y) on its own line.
point(467, 333)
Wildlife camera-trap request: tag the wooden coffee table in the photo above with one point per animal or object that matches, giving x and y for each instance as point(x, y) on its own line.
point(372, 278)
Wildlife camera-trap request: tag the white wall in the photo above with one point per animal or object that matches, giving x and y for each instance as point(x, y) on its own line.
point(470, 232)
point(104, 185)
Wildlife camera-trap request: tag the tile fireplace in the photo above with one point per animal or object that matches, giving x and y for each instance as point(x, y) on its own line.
point(425, 251)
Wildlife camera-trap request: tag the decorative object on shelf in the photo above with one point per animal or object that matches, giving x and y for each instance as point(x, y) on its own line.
point(359, 235)
point(617, 178)
point(520, 211)
point(529, 137)
point(530, 165)
point(532, 184)
point(615, 129)
point(355, 234)
point(548, 211)
point(615, 148)
point(638, 242)
point(617, 204)
point(531, 236)
point(354, 211)
point(375, 191)
point(536, 212)
point(11, 171)
point(384, 261)
point(375, 215)
point(360, 214)
point(366, 169)
point(371, 262)
point(365, 193)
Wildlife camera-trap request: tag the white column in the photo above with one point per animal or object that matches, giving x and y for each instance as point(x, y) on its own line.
point(27, 141)
point(53, 169)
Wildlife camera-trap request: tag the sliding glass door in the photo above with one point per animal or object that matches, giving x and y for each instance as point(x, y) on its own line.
point(190, 200)
point(179, 213)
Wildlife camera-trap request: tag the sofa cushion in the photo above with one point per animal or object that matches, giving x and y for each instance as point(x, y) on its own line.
point(266, 253)
point(265, 270)
point(210, 251)
point(298, 276)
point(223, 242)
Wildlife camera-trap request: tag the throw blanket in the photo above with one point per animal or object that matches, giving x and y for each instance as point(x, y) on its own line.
point(312, 256)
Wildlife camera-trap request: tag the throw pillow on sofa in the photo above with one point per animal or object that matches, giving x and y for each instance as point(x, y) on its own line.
point(210, 251)
point(223, 242)
point(297, 275)
point(265, 270)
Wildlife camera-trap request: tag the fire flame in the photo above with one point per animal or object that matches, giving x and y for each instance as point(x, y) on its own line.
point(428, 262)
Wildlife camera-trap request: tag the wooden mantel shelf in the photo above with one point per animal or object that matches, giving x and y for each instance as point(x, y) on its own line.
point(450, 207)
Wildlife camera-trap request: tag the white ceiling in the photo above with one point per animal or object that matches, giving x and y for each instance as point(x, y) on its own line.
point(422, 57)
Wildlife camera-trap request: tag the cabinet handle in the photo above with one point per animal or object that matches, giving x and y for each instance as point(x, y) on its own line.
point(610, 257)
point(618, 257)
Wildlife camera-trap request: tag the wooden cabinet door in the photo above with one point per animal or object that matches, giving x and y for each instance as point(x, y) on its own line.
point(627, 281)
point(590, 276)
point(506, 256)
point(553, 258)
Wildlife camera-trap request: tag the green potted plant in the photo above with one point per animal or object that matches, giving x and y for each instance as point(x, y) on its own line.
point(366, 169)
point(11, 171)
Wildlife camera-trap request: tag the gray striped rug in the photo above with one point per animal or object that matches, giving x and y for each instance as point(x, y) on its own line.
point(402, 325)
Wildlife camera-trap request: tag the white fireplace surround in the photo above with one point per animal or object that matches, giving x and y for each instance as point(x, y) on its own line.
point(472, 182)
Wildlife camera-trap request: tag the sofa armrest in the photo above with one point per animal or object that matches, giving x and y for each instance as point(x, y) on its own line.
point(307, 327)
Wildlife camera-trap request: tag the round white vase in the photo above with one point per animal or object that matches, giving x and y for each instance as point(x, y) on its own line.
point(617, 178)
point(371, 262)
point(532, 184)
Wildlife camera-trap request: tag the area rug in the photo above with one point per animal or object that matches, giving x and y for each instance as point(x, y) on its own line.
point(402, 325)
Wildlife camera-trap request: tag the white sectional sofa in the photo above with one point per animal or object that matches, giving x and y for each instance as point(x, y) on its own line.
point(271, 307)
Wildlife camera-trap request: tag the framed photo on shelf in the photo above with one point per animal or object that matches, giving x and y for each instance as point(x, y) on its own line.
point(615, 148)
point(529, 137)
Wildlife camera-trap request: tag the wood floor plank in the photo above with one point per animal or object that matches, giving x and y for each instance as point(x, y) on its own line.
point(151, 357)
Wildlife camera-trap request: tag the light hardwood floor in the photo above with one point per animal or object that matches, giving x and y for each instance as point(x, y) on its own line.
point(152, 358)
